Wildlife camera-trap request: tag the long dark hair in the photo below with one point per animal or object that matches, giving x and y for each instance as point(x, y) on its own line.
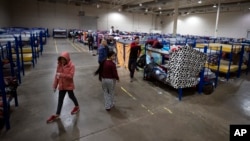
point(100, 68)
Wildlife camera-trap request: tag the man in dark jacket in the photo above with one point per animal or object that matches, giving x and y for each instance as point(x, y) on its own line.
point(135, 51)
point(90, 42)
point(102, 51)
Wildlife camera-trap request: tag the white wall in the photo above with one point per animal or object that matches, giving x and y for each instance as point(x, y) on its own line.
point(4, 14)
point(126, 21)
point(58, 15)
point(30, 13)
point(39, 14)
point(230, 24)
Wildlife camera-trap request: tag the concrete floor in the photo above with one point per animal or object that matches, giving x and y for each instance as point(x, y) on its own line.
point(143, 112)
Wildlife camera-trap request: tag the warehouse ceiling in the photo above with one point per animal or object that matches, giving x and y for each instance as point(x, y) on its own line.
point(164, 7)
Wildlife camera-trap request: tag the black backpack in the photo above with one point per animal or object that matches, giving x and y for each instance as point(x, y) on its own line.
point(141, 61)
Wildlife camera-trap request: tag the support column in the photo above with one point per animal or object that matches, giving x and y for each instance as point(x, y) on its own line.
point(217, 20)
point(176, 14)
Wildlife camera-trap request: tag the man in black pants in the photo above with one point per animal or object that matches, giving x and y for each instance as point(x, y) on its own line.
point(135, 51)
point(90, 42)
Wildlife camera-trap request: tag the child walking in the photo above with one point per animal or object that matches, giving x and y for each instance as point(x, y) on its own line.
point(64, 82)
point(108, 75)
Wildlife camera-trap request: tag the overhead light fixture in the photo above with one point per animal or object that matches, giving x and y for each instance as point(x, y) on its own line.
point(146, 10)
point(98, 6)
point(140, 4)
point(160, 12)
point(159, 8)
point(199, 1)
point(214, 6)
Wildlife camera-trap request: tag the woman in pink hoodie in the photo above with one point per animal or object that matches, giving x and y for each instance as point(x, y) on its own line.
point(65, 84)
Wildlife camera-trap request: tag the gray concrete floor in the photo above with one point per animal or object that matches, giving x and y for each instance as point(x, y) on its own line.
point(143, 112)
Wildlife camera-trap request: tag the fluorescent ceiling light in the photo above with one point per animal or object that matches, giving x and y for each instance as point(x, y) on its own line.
point(214, 6)
point(199, 1)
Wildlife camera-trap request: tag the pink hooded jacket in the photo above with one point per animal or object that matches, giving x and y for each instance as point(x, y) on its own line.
point(65, 79)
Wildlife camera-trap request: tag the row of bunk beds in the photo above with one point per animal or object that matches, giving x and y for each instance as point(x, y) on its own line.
point(234, 57)
point(177, 64)
point(237, 60)
point(17, 49)
point(225, 55)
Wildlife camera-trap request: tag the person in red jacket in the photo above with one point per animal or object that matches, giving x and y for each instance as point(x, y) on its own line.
point(108, 75)
point(65, 84)
point(135, 51)
point(154, 44)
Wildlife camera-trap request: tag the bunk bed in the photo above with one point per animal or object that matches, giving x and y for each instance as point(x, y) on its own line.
point(30, 43)
point(227, 66)
point(207, 77)
point(41, 32)
point(179, 71)
point(8, 83)
point(16, 47)
point(213, 60)
point(59, 33)
point(7, 43)
point(24, 36)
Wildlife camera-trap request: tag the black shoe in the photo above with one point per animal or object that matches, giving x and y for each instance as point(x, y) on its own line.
point(131, 80)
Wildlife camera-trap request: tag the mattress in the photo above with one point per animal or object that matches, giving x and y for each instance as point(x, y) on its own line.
point(209, 51)
point(6, 40)
point(26, 57)
point(60, 30)
point(27, 50)
point(225, 47)
point(224, 67)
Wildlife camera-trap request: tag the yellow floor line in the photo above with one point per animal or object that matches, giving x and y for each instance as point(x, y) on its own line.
point(128, 93)
point(56, 46)
point(76, 48)
point(82, 48)
point(168, 110)
point(143, 106)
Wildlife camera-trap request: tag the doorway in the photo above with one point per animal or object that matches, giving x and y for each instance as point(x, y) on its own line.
point(248, 34)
